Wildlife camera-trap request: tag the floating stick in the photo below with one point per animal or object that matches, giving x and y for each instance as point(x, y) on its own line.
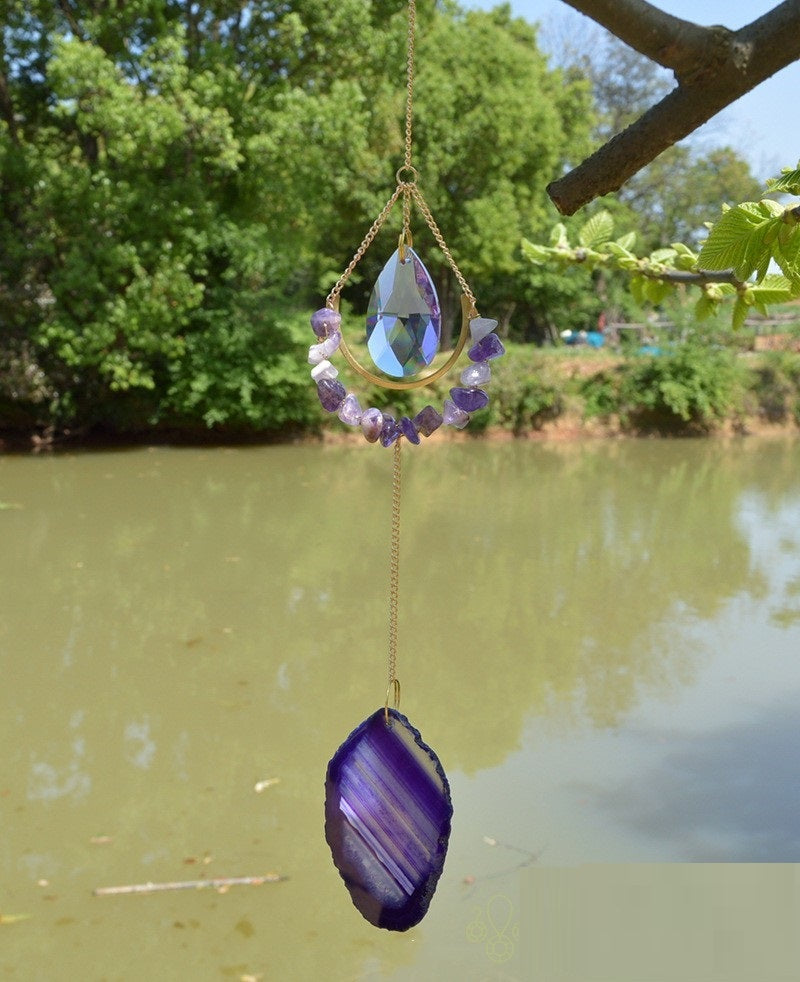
point(218, 883)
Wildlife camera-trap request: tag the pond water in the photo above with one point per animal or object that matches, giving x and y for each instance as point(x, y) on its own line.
point(600, 640)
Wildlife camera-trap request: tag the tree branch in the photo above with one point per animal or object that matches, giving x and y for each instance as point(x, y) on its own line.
point(714, 67)
point(698, 278)
point(658, 36)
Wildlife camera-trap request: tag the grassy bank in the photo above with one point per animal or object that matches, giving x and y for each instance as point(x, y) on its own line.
point(687, 390)
point(690, 389)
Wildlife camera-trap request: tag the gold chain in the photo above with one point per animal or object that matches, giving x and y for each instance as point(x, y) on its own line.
point(431, 223)
point(412, 23)
point(365, 244)
point(394, 562)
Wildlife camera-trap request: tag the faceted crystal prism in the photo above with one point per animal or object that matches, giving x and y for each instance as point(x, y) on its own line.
point(404, 322)
point(387, 819)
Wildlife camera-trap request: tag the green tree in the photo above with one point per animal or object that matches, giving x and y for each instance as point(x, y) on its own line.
point(735, 262)
point(178, 178)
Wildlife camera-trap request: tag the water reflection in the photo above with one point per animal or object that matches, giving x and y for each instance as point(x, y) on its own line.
point(732, 796)
point(177, 626)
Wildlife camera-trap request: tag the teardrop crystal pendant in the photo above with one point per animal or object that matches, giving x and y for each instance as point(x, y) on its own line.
point(387, 819)
point(404, 322)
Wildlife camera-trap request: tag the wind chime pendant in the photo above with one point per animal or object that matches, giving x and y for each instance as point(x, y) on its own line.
point(387, 819)
point(404, 321)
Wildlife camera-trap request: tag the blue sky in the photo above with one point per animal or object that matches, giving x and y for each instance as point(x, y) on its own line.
point(760, 125)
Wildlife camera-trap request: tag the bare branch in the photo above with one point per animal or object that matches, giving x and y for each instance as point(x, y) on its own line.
point(712, 74)
point(659, 36)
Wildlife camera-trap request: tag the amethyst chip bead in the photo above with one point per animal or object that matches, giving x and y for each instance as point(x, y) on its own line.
point(408, 430)
point(350, 410)
point(325, 322)
point(331, 394)
point(487, 348)
point(372, 424)
point(479, 373)
point(390, 431)
point(453, 416)
point(470, 400)
point(427, 421)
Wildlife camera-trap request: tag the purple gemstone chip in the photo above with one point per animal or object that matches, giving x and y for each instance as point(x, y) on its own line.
point(331, 394)
point(390, 431)
point(372, 424)
point(470, 400)
point(427, 420)
point(325, 321)
point(487, 348)
point(387, 819)
point(408, 430)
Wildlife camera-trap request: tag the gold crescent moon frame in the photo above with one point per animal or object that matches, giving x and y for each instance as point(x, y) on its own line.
point(467, 313)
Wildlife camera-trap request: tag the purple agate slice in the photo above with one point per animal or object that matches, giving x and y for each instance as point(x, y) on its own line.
point(387, 819)
point(487, 348)
point(470, 400)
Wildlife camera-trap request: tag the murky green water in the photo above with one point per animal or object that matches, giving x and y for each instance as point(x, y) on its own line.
point(602, 642)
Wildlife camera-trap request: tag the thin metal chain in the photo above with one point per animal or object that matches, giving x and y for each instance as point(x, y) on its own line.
point(365, 244)
point(431, 223)
point(412, 24)
point(394, 564)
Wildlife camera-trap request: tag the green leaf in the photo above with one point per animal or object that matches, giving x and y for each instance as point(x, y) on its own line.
point(786, 251)
point(558, 236)
point(662, 255)
point(637, 288)
point(620, 252)
point(740, 312)
point(627, 241)
point(736, 241)
point(536, 253)
point(704, 307)
point(787, 183)
point(655, 290)
point(597, 230)
point(773, 289)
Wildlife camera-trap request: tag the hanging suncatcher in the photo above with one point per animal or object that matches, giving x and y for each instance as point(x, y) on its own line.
point(387, 799)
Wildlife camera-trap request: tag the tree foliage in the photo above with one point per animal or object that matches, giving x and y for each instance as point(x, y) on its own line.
point(735, 263)
point(176, 179)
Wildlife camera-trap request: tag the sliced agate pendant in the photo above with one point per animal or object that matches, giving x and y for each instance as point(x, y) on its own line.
point(404, 321)
point(387, 819)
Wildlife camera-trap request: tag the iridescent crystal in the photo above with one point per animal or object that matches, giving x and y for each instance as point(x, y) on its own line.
point(404, 321)
point(387, 819)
